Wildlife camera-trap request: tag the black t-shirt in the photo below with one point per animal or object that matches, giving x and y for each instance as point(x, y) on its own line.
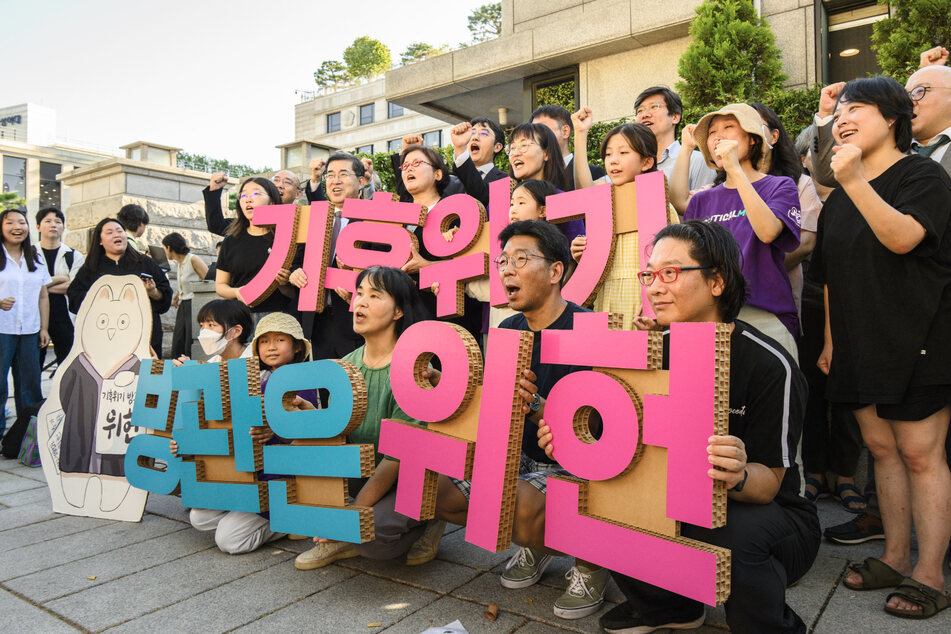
point(767, 405)
point(243, 256)
point(890, 314)
point(547, 374)
point(58, 308)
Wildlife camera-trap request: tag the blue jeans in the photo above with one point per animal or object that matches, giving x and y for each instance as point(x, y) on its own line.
point(20, 353)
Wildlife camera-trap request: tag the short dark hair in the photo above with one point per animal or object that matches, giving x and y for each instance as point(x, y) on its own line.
point(551, 241)
point(554, 171)
point(713, 246)
point(176, 243)
point(132, 216)
point(639, 137)
point(892, 102)
point(558, 113)
point(496, 131)
point(355, 163)
point(672, 99)
point(400, 286)
point(229, 313)
point(240, 224)
point(435, 158)
point(45, 211)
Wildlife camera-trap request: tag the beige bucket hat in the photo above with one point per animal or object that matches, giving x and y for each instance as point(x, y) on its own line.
point(750, 122)
point(280, 322)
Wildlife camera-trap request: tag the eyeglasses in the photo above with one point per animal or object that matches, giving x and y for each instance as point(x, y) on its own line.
point(481, 132)
point(654, 107)
point(285, 181)
point(667, 275)
point(414, 164)
point(253, 195)
point(330, 177)
point(521, 148)
point(519, 260)
point(918, 92)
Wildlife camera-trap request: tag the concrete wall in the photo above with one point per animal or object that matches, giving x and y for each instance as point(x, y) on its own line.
point(793, 24)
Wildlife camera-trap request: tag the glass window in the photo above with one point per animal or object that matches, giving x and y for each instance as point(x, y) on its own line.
point(365, 149)
point(292, 157)
point(333, 122)
point(433, 139)
point(366, 114)
point(393, 111)
point(50, 187)
point(14, 175)
point(393, 145)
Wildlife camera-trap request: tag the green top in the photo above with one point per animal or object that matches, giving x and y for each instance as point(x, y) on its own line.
point(380, 403)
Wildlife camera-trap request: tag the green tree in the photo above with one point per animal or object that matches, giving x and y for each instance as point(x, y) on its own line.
point(732, 56)
point(485, 23)
point(914, 26)
point(201, 163)
point(11, 200)
point(560, 94)
point(420, 50)
point(367, 58)
point(331, 73)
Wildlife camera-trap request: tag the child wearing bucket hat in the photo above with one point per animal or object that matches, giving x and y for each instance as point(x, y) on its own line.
point(761, 211)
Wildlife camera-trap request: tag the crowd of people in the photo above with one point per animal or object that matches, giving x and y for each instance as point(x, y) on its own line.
point(805, 247)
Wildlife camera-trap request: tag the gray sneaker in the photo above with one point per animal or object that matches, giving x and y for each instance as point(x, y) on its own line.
point(524, 569)
point(425, 548)
point(584, 594)
point(323, 554)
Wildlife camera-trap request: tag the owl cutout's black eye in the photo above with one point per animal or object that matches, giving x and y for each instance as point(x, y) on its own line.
point(102, 321)
point(123, 321)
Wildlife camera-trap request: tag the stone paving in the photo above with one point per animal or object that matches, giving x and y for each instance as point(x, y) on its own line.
point(60, 574)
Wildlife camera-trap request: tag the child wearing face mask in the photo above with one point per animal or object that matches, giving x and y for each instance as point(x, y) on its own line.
point(278, 341)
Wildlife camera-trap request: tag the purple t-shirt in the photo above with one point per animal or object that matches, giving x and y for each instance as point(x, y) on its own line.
point(763, 264)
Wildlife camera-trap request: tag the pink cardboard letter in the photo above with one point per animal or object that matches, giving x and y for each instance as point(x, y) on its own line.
point(470, 217)
point(383, 209)
point(452, 276)
point(591, 343)
point(316, 257)
point(284, 219)
point(500, 200)
point(650, 191)
point(585, 457)
point(594, 204)
point(683, 420)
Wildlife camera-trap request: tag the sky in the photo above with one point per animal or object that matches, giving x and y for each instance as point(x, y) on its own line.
point(213, 78)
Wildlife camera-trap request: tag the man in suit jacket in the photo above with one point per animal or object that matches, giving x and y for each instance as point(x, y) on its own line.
point(476, 144)
point(558, 120)
point(930, 90)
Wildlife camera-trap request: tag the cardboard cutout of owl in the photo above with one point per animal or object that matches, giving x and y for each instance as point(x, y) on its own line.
point(85, 425)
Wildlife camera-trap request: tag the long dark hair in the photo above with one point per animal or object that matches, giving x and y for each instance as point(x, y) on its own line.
point(784, 159)
point(27, 248)
point(401, 288)
point(554, 169)
point(240, 224)
point(96, 250)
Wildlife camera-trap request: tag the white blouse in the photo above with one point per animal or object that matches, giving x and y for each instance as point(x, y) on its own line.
point(18, 282)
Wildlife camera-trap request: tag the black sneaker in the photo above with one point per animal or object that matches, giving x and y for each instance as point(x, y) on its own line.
point(623, 620)
point(862, 528)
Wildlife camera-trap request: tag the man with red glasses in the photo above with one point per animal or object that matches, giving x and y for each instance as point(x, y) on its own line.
point(694, 275)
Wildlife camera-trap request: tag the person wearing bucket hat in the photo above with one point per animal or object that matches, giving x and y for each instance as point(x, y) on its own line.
point(278, 340)
point(761, 211)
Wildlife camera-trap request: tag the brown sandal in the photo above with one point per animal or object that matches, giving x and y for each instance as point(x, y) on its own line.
point(875, 574)
point(931, 601)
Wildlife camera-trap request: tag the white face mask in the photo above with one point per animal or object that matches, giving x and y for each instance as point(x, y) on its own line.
point(212, 342)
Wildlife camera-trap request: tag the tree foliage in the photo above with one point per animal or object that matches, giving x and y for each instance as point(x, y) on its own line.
point(561, 94)
point(331, 73)
point(367, 58)
point(914, 26)
point(11, 200)
point(485, 22)
point(732, 56)
point(201, 163)
point(419, 51)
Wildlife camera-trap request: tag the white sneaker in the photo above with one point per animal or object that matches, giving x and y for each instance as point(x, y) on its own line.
point(425, 548)
point(324, 554)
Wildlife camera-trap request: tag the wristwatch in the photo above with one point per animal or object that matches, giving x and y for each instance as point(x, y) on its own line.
point(536, 403)
point(742, 483)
